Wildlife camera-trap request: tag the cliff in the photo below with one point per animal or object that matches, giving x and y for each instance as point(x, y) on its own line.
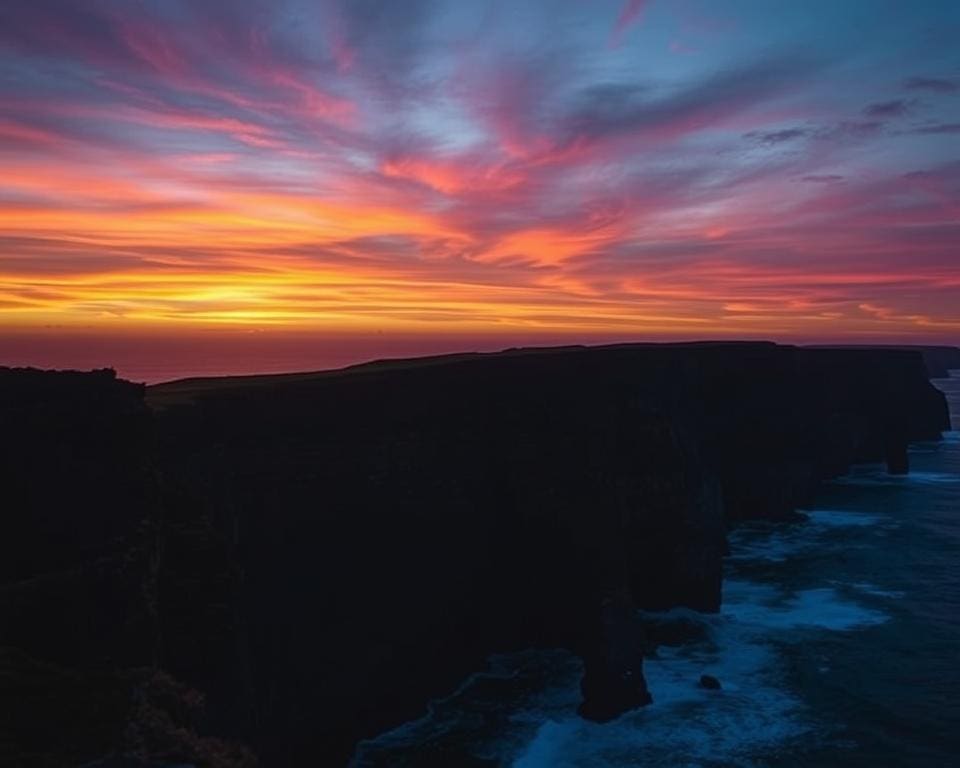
point(938, 359)
point(81, 547)
point(321, 554)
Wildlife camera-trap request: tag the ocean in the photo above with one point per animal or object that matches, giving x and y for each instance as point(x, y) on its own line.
point(156, 358)
point(838, 644)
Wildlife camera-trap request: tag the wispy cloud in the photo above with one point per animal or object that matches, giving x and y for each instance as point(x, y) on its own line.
point(939, 128)
point(889, 109)
point(630, 14)
point(778, 136)
point(932, 84)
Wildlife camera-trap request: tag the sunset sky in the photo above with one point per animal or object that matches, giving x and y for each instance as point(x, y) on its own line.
point(517, 170)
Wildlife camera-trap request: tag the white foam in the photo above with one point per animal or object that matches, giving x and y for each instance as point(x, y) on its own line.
point(549, 680)
point(881, 477)
point(782, 543)
point(773, 549)
point(687, 725)
point(829, 518)
point(825, 609)
point(934, 477)
point(766, 607)
point(764, 541)
point(872, 589)
point(753, 711)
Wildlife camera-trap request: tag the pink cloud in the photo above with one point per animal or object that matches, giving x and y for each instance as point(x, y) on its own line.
point(629, 15)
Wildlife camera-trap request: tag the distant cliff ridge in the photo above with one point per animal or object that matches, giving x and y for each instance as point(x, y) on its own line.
point(313, 557)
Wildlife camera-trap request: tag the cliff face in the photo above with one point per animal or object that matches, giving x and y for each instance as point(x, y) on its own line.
point(74, 555)
point(81, 547)
point(75, 468)
point(396, 526)
point(938, 359)
point(333, 550)
point(941, 360)
point(396, 523)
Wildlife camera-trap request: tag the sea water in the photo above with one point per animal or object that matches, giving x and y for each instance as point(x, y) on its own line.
point(838, 644)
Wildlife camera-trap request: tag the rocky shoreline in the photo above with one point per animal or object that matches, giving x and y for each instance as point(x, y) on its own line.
point(281, 566)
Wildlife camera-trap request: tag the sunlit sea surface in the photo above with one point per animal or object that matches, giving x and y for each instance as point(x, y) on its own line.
point(838, 644)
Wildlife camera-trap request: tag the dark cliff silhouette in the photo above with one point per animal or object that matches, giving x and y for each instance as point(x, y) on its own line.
point(295, 563)
point(939, 360)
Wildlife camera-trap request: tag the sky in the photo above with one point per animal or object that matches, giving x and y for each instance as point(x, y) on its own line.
point(506, 171)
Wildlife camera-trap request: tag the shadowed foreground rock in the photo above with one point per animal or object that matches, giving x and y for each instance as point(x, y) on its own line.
point(81, 546)
point(613, 679)
point(317, 556)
